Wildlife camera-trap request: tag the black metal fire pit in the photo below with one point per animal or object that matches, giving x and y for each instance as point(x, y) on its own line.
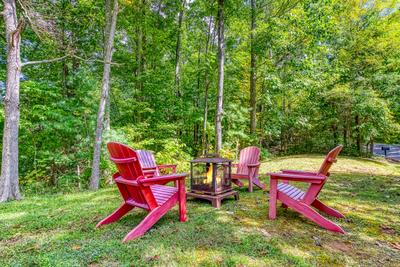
point(210, 179)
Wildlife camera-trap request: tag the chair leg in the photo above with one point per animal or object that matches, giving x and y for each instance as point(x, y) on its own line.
point(118, 213)
point(258, 183)
point(182, 201)
point(314, 216)
point(272, 198)
point(151, 219)
point(237, 182)
point(250, 184)
point(328, 210)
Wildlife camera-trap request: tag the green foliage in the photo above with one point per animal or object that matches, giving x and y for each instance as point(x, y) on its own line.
point(327, 73)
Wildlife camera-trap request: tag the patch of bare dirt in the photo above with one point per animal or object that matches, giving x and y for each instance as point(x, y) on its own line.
point(339, 246)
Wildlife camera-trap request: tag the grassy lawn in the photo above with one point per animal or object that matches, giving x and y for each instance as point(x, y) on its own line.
point(58, 230)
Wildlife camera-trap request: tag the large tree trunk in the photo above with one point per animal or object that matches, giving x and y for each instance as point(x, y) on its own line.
point(95, 177)
point(178, 51)
point(253, 72)
point(221, 61)
point(9, 187)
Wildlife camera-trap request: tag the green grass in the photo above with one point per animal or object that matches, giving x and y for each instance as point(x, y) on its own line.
point(58, 230)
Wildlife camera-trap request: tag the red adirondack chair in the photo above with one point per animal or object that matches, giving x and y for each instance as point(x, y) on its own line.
point(300, 201)
point(247, 168)
point(149, 166)
point(147, 193)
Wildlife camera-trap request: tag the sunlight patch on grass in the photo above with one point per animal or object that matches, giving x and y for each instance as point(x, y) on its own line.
point(11, 215)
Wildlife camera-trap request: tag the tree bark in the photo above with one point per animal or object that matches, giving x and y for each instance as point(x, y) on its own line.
point(108, 14)
point(95, 177)
point(206, 86)
point(253, 72)
point(221, 61)
point(9, 184)
point(178, 51)
point(358, 134)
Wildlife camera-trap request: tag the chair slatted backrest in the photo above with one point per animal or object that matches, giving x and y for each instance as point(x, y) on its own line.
point(314, 189)
point(129, 168)
point(329, 160)
point(148, 163)
point(248, 155)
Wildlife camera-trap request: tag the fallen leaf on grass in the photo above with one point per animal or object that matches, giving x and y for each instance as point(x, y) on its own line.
point(387, 229)
point(396, 246)
point(317, 241)
point(153, 258)
point(76, 247)
point(265, 233)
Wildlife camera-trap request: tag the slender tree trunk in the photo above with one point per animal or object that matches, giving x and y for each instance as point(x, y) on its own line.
point(9, 184)
point(108, 14)
point(206, 86)
point(335, 135)
point(139, 58)
point(220, 93)
point(178, 51)
point(253, 72)
point(95, 177)
point(358, 134)
point(371, 146)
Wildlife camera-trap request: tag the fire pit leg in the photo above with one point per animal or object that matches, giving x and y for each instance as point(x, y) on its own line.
point(216, 203)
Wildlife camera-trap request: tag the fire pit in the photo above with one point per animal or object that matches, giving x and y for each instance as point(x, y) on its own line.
point(210, 179)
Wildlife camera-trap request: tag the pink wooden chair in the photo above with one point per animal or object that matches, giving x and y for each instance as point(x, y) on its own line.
point(300, 201)
point(146, 193)
point(247, 168)
point(149, 166)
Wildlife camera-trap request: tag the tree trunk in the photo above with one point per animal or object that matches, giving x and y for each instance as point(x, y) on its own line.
point(335, 134)
point(95, 177)
point(344, 136)
point(178, 51)
point(9, 184)
point(108, 14)
point(253, 72)
point(358, 134)
point(221, 61)
point(206, 86)
point(371, 146)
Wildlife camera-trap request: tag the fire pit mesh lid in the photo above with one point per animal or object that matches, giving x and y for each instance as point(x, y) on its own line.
point(211, 160)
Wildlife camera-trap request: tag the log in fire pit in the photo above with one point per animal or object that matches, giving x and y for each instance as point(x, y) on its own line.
point(210, 179)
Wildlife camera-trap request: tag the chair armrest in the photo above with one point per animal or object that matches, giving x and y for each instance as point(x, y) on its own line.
point(298, 172)
point(162, 179)
point(315, 179)
point(254, 165)
point(124, 160)
point(164, 166)
point(121, 180)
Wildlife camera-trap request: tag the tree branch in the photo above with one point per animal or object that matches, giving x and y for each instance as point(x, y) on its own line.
point(95, 60)
point(63, 57)
point(43, 61)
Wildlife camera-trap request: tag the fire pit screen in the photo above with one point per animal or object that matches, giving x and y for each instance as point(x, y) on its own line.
point(210, 178)
point(210, 175)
